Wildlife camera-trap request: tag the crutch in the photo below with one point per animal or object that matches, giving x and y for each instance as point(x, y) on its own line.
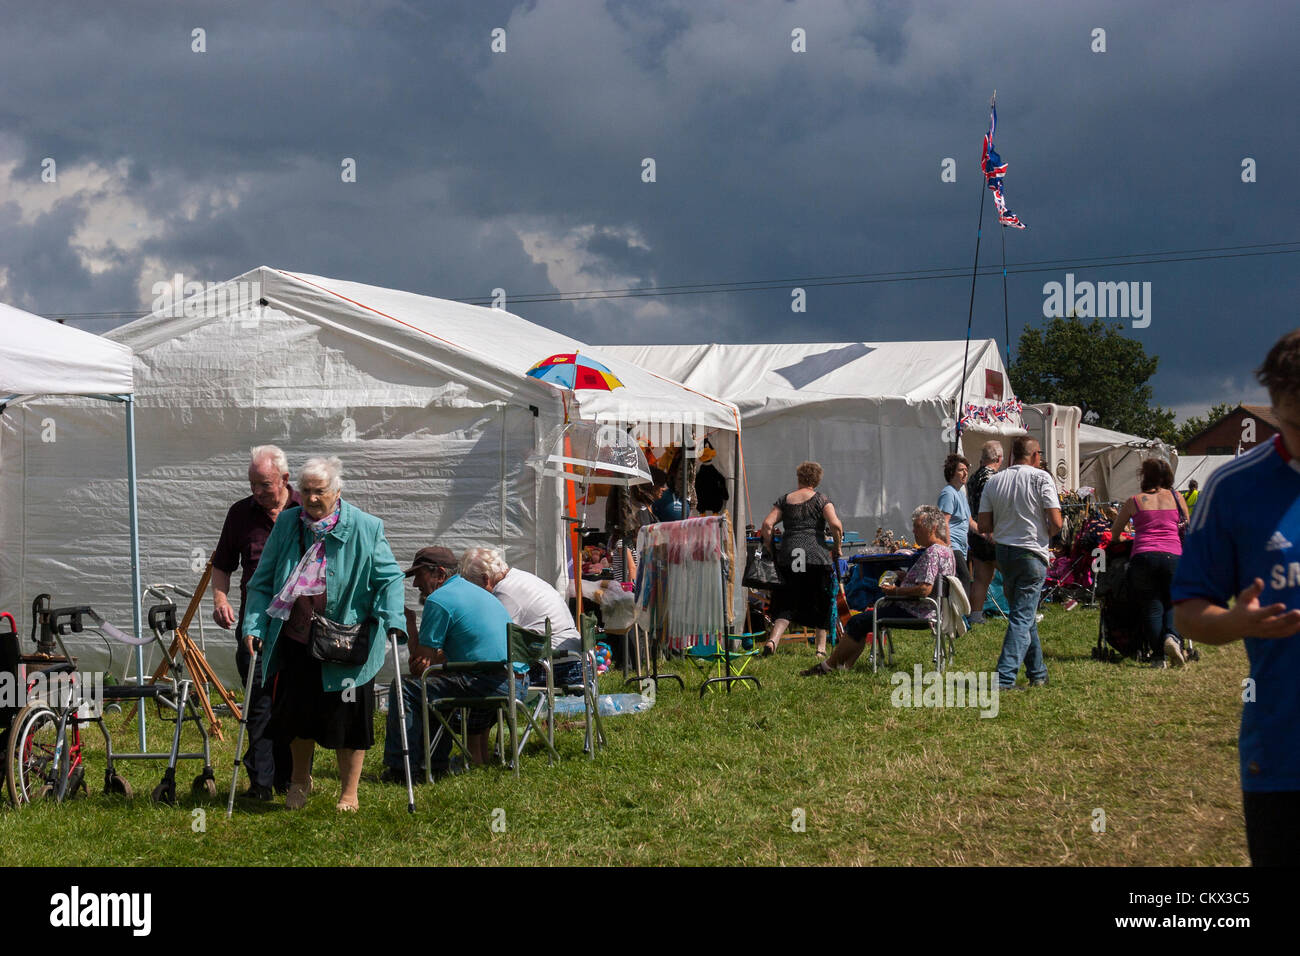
point(393, 634)
point(243, 724)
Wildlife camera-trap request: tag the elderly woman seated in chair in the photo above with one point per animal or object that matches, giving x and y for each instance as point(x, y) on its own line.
point(930, 527)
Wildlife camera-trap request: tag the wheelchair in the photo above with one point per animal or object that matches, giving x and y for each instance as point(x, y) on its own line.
point(44, 751)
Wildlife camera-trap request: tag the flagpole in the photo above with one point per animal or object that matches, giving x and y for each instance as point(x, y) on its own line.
point(1006, 321)
point(970, 314)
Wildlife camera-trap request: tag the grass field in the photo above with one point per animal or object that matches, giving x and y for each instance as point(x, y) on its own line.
point(719, 781)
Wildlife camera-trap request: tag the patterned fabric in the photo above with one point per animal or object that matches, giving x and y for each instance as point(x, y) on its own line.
point(935, 562)
point(803, 526)
point(309, 576)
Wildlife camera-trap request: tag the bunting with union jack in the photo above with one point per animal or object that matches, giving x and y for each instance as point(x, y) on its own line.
point(994, 170)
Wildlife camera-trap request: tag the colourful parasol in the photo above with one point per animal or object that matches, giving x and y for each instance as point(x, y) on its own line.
point(572, 370)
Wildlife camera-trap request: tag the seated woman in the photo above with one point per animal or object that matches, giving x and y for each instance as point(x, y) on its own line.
point(929, 526)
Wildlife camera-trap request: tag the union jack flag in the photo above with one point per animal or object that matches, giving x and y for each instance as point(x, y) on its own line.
point(994, 170)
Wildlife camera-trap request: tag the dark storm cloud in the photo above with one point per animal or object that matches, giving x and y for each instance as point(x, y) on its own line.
point(522, 170)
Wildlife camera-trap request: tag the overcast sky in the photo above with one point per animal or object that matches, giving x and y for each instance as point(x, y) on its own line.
point(523, 169)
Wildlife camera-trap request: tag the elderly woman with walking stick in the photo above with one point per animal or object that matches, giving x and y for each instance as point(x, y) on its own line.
point(325, 593)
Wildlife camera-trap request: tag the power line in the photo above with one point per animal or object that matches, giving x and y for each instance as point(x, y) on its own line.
point(843, 279)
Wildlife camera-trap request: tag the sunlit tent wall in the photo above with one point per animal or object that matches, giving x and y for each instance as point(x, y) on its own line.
point(878, 416)
point(39, 358)
point(1198, 467)
point(1109, 461)
point(425, 401)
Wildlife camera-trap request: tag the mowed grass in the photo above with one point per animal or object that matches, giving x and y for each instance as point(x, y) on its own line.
point(719, 781)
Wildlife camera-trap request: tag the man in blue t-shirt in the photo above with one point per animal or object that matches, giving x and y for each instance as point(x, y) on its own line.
point(1244, 543)
point(459, 622)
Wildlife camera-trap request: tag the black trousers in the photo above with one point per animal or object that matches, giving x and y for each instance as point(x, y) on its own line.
point(269, 762)
point(1272, 827)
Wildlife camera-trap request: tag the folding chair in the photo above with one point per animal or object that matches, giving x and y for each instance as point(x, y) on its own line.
point(588, 689)
point(943, 643)
point(524, 647)
point(725, 663)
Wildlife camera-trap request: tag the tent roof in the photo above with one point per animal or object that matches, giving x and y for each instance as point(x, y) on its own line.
point(775, 377)
point(1199, 467)
point(490, 347)
point(1093, 440)
point(40, 357)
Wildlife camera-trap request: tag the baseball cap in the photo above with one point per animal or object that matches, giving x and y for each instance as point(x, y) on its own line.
point(434, 557)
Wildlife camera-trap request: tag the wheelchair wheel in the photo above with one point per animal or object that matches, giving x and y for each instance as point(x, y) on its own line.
point(116, 783)
point(33, 760)
point(204, 785)
point(165, 792)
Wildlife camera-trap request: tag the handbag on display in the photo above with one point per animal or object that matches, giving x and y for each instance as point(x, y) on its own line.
point(761, 572)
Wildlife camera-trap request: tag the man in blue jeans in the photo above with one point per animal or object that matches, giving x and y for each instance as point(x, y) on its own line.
point(460, 622)
point(1022, 510)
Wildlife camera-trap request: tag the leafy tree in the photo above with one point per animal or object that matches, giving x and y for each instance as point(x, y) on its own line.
point(1197, 424)
point(1092, 365)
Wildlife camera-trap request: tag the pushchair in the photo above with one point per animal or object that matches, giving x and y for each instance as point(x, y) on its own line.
point(1119, 628)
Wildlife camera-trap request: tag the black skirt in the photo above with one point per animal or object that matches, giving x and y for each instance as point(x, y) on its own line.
point(805, 598)
point(301, 708)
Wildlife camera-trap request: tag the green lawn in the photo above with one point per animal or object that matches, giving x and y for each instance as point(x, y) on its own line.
point(695, 782)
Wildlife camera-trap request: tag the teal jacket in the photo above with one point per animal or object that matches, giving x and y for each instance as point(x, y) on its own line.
point(362, 580)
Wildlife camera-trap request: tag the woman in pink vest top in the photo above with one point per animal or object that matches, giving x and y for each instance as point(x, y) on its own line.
point(1157, 514)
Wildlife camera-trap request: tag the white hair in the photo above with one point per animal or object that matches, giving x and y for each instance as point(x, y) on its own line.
point(481, 565)
point(328, 470)
point(930, 518)
point(273, 452)
point(992, 451)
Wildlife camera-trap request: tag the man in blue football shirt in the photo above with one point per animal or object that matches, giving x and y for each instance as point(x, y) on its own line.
point(1244, 543)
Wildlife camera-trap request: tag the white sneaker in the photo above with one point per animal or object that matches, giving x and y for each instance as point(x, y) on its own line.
point(1174, 653)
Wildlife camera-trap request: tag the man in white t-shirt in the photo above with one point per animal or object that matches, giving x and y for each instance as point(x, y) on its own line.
point(1021, 509)
point(529, 601)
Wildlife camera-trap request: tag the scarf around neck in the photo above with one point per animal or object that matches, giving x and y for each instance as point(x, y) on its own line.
point(308, 577)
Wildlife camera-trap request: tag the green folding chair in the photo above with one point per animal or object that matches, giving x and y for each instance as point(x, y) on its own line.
point(588, 690)
point(524, 647)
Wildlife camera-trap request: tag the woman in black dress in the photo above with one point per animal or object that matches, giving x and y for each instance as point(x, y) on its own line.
point(805, 597)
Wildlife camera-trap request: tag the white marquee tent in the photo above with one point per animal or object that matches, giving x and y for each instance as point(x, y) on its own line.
point(1109, 461)
point(878, 416)
point(425, 400)
point(1199, 467)
point(40, 358)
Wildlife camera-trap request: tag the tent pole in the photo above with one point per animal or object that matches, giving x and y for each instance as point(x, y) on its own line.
point(135, 556)
point(1006, 321)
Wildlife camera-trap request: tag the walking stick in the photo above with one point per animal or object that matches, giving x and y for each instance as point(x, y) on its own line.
point(243, 724)
point(401, 721)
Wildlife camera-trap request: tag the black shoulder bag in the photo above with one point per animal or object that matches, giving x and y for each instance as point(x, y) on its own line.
point(335, 643)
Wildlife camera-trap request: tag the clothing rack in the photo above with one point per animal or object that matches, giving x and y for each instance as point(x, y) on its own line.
point(683, 589)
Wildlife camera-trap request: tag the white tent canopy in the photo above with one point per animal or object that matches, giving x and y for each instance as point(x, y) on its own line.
point(878, 416)
point(1109, 461)
point(426, 401)
point(39, 357)
point(1199, 467)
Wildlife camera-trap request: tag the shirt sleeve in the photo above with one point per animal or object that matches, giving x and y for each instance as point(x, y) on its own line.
point(433, 624)
point(1208, 566)
point(1050, 498)
point(948, 500)
point(388, 585)
point(926, 568)
point(226, 557)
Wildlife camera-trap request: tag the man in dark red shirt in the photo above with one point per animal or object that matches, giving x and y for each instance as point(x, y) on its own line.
point(243, 536)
